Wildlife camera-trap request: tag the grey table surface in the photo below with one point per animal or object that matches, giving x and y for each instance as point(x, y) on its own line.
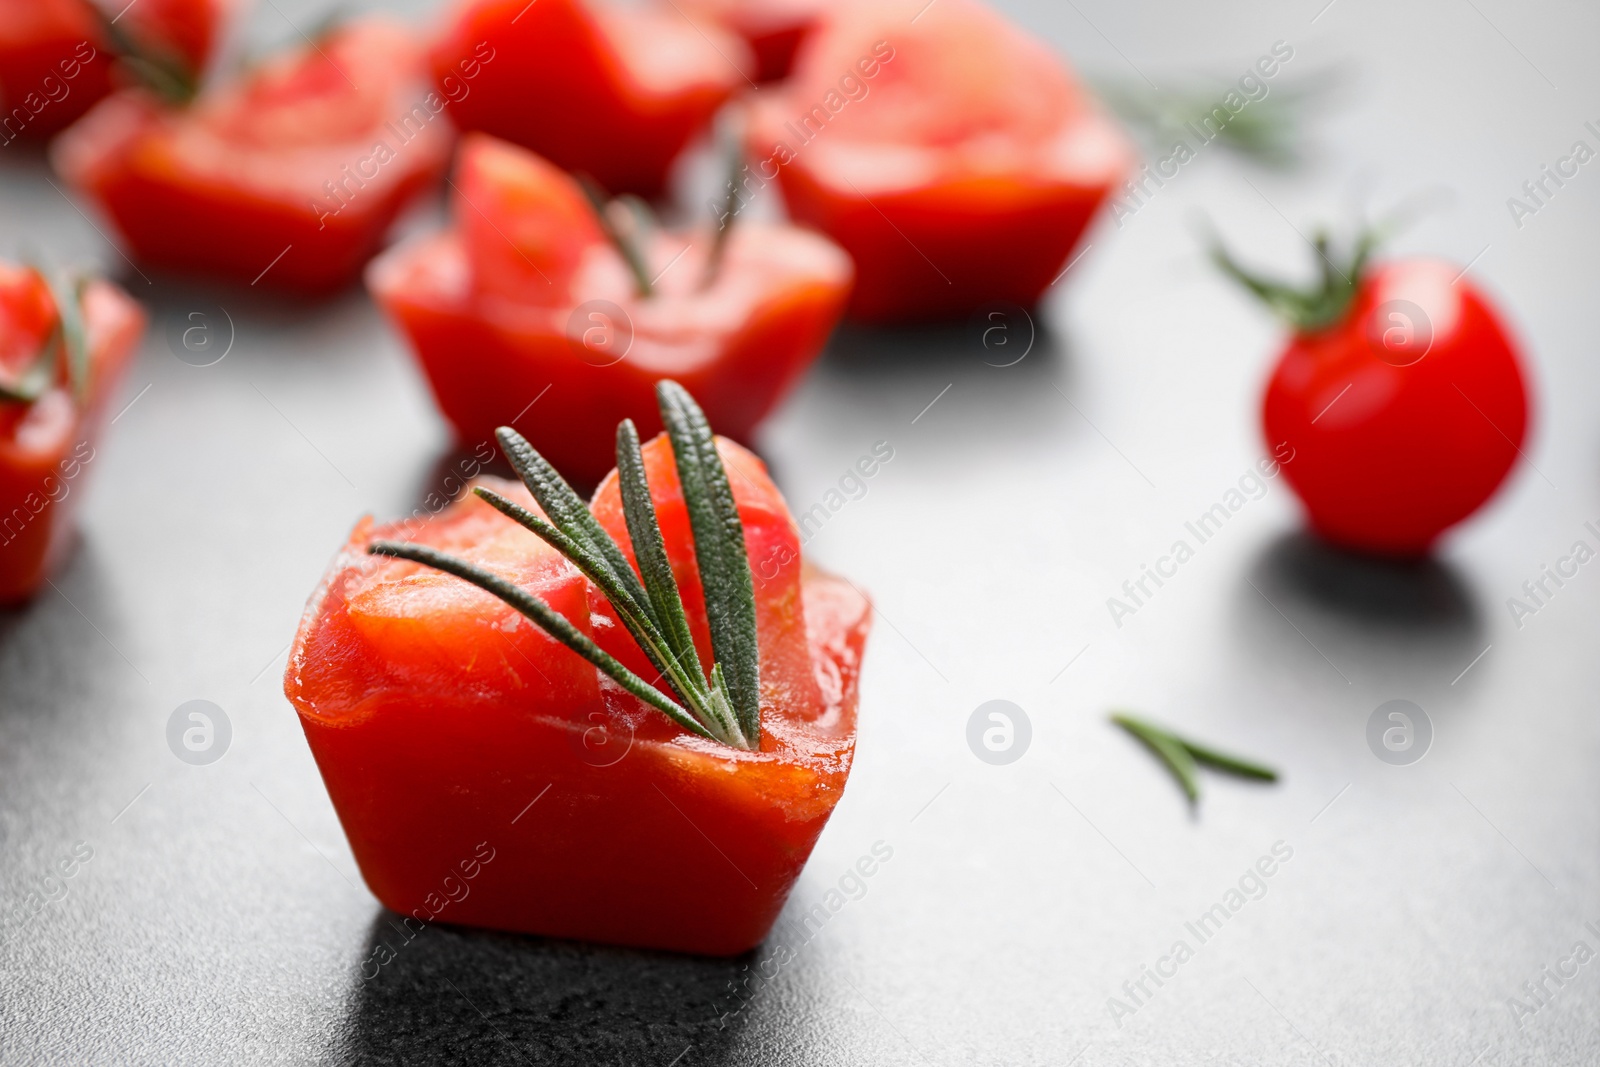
point(222, 919)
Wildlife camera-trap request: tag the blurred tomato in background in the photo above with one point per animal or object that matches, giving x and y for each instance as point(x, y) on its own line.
point(287, 176)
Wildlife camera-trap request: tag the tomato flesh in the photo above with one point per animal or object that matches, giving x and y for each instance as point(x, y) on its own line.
point(47, 446)
point(288, 178)
point(612, 92)
point(526, 295)
point(604, 820)
point(953, 157)
point(1404, 417)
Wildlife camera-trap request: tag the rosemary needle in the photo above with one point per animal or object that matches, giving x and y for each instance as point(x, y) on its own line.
point(1180, 755)
point(1172, 753)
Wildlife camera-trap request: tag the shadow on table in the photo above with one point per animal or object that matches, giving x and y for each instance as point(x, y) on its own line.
point(1417, 618)
point(46, 632)
point(978, 393)
point(1001, 336)
point(454, 995)
point(66, 689)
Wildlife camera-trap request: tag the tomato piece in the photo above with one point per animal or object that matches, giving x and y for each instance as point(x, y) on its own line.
point(386, 626)
point(620, 91)
point(774, 29)
point(47, 446)
point(567, 319)
point(961, 161)
point(1405, 416)
point(288, 178)
point(525, 225)
point(571, 810)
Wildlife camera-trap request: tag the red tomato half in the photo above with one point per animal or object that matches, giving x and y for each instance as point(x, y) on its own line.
point(952, 156)
point(48, 446)
point(608, 91)
point(55, 61)
point(1405, 416)
point(288, 178)
point(486, 775)
point(525, 315)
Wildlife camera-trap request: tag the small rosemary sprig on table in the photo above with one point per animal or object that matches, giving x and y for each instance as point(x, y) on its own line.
point(724, 704)
point(1180, 755)
point(67, 341)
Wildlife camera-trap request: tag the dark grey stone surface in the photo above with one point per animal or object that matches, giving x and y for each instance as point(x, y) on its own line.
point(221, 918)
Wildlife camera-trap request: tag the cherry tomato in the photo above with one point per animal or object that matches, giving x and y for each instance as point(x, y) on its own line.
point(526, 295)
point(953, 156)
point(287, 178)
point(486, 775)
point(1404, 415)
point(609, 91)
point(47, 446)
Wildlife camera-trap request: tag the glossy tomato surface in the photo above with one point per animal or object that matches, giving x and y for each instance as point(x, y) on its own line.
point(1405, 416)
point(953, 157)
point(612, 91)
point(48, 447)
point(288, 178)
point(486, 775)
point(525, 315)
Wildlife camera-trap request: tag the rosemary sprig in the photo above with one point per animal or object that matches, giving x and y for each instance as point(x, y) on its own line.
point(733, 162)
point(625, 240)
point(1181, 755)
point(1267, 130)
point(724, 705)
point(67, 341)
point(68, 294)
point(719, 547)
point(157, 68)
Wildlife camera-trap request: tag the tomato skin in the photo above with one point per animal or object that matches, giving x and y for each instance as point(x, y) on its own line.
point(46, 447)
point(1386, 457)
point(604, 111)
point(954, 158)
point(288, 158)
point(493, 333)
point(623, 842)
